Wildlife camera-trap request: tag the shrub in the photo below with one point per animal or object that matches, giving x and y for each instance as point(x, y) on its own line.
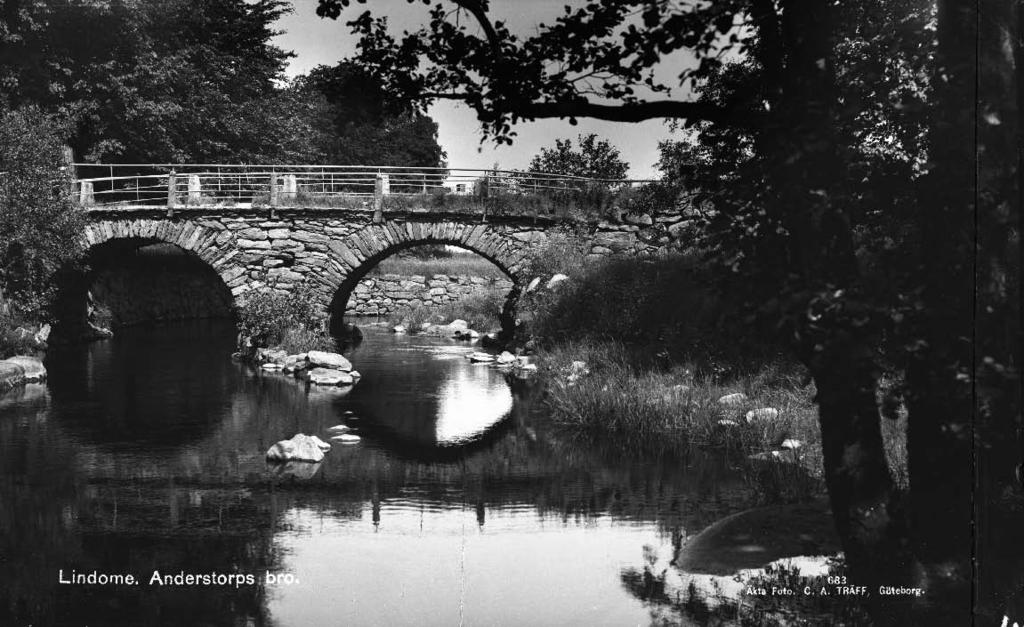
point(40, 230)
point(268, 315)
point(15, 335)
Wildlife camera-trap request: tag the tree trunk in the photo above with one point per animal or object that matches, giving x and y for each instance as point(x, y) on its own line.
point(835, 339)
point(997, 328)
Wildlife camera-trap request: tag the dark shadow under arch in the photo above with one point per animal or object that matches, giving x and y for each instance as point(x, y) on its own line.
point(141, 280)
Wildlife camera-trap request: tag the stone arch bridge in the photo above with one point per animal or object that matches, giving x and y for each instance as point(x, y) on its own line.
point(286, 237)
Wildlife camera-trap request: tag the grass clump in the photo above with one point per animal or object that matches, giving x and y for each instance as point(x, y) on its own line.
point(455, 265)
point(480, 310)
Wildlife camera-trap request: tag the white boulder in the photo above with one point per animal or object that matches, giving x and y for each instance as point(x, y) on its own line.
point(556, 280)
point(324, 446)
point(762, 413)
point(791, 444)
point(34, 369)
point(505, 358)
point(301, 448)
point(329, 376)
point(733, 400)
point(480, 358)
point(334, 361)
point(346, 438)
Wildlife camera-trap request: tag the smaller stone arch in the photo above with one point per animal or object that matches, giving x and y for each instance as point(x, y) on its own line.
point(210, 241)
point(352, 257)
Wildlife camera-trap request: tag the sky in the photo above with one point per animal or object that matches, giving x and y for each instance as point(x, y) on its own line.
point(318, 41)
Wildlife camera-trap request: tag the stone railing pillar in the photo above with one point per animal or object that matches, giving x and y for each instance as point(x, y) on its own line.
point(195, 190)
point(172, 192)
point(290, 188)
point(85, 194)
point(274, 191)
point(381, 188)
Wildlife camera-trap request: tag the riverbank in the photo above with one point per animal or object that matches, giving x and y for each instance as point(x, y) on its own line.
point(643, 352)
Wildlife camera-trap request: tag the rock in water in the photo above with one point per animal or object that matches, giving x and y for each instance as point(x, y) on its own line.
point(458, 324)
point(329, 376)
point(333, 361)
point(733, 400)
point(506, 358)
point(762, 413)
point(324, 446)
point(301, 448)
point(481, 358)
point(347, 438)
point(34, 369)
point(339, 428)
point(271, 367)
point(398, 328)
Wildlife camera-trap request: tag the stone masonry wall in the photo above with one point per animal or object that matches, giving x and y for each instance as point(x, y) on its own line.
point(251, 248)
point(386, 294)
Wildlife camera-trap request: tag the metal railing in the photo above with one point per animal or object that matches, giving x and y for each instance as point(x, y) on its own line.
point(184, 185)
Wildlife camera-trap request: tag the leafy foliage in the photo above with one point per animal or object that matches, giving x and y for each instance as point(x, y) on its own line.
point(269, 317)
point(148, 81)
point(39, 228)
point(593, 159)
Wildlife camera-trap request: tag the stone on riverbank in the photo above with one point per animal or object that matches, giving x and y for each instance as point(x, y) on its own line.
point(301, 448)
point(555, 280)
point(733, 400)
point(334, 361)
point(762, 413)
point(505, 359)
point(34, 370)
point(271, 355)
point(329, 376)
point(11, 375)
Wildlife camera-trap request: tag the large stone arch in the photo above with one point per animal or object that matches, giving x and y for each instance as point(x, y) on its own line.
point(208, 240)
point(352, 257)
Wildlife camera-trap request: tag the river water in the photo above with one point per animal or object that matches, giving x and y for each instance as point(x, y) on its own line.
point(461, 504)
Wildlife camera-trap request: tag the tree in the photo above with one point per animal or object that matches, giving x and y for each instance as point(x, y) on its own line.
point(809, 117)
point(594, 159)
point(39, 229)
point(366, 126)
point(147, 81)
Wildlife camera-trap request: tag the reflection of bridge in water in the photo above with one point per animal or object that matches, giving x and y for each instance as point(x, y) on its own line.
point(278, 226)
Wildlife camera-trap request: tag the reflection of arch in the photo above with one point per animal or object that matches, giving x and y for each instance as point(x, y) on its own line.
point(361, 251)
point(215, 246)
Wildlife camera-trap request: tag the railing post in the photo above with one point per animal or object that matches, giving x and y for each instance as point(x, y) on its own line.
point(172, 192)
point(273, 190)
point(195, 190)
point(291, 188)
point(85, 194)
point(381, 187)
